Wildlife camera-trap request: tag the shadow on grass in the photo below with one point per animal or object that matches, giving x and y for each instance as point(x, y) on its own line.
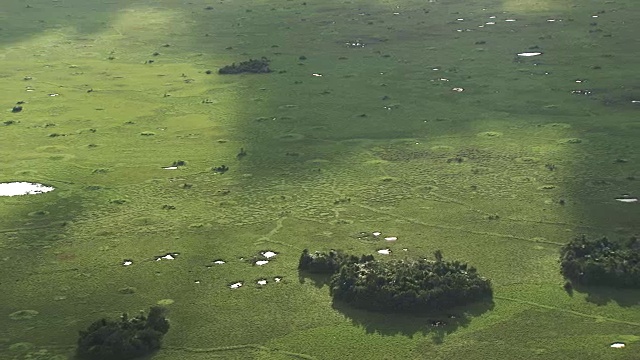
point(318, 280)
point(602, 295)
point(437, 324)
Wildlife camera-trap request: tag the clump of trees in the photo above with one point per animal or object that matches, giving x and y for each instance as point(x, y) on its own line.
point(601, 262)
point(255, 66)
point(398, 285)
point(328, 263)
point(126, 338)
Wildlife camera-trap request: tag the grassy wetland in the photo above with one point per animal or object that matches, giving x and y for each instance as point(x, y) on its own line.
point(427, 121)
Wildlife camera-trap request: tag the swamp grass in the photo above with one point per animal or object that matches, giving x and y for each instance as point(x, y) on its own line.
point(466, 172)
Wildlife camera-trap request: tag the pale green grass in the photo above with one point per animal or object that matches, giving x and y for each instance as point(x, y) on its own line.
point(314, 142)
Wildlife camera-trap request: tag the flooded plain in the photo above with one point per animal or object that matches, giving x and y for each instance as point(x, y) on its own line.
point(495, 131)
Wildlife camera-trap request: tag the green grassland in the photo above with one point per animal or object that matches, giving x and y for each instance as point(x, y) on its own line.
point(379, 142)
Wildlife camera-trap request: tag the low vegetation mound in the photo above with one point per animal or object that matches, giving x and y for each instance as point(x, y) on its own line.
point(398, 285)
point(127, 338)
point(254, 66)
point(601, 262)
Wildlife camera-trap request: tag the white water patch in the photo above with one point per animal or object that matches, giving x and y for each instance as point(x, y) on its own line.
point(262, 282)
point(391, 238)
point(529, 54)
point(384, 251)
point(23, 188)
point(627, 199)
point(236, 285)
point(218, 262)
point(618, 345)
point(168, 256)
point(268, 254)
point(170, 168)
point(261, 262)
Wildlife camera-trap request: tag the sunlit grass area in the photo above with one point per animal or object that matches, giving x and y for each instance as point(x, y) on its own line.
point(418, 120)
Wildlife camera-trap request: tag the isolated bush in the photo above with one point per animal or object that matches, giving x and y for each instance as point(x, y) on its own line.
point(124, 339)
point(254, 66)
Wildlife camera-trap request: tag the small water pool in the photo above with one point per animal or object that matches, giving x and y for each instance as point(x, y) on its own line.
point(23, 188)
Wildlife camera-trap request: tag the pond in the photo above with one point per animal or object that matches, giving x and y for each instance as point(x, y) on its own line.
point(23, 188)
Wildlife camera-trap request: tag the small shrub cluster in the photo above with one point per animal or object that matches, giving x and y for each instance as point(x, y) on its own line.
point(255, 66)
point(328, 263)
point(124, 339)
point(601, 262)
point(400, 285)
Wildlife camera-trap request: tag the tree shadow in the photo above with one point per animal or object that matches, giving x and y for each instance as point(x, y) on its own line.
point(602, 295)
point(438, 324)
point(318, 280)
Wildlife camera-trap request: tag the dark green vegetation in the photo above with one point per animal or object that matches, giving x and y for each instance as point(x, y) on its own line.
point(328, 263)
point(500, 173)
point(602, 262)
point(409, 285)
point(397, 285)
point(127, 338)
point(253, 66)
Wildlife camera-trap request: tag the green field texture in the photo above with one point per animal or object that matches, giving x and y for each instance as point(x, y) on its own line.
point(530, 153)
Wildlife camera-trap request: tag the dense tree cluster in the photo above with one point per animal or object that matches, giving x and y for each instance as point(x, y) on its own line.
point(400, 285)
point(409, 285)
point(127, 338)
point(255, 66)
point(328, 263)
point(602, 262)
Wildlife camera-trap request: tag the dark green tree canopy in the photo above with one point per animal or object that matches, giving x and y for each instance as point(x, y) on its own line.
point(409, 285)
point(602, 262)
point(254, 66)
point(123, 339)
point(327, 263)
point(398, 285)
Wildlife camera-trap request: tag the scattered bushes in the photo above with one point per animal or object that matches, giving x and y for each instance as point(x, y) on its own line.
point(601, 262)
point(400, 285)
point(255, 66)
point(123, 339)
